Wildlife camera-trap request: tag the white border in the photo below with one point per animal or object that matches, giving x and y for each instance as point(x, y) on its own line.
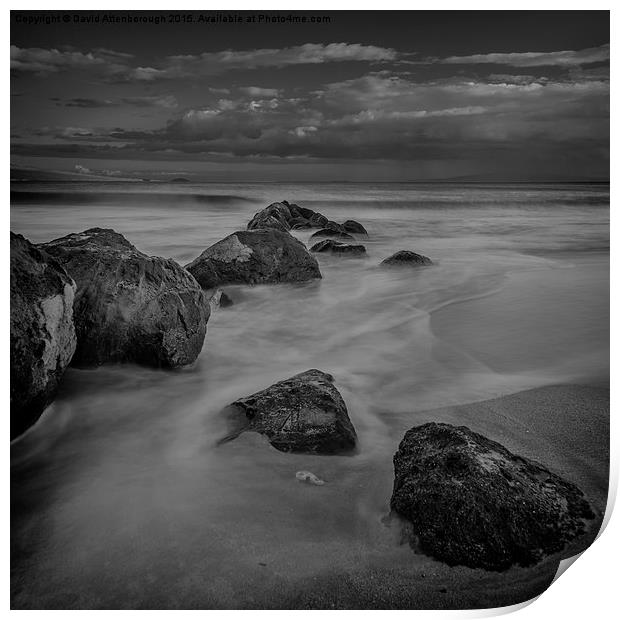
point(589, 588)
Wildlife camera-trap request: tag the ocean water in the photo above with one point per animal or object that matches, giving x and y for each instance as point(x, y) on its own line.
point(121, 498)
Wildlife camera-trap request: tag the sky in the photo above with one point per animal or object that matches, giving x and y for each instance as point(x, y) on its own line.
point(352, 96)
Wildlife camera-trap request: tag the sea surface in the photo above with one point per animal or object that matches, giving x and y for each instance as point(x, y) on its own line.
point(120, 497)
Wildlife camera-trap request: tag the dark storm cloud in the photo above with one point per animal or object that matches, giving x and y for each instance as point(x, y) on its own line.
point(117, 65)
point(161, 101)
point(330, 101)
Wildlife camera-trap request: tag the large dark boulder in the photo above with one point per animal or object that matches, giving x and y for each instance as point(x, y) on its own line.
point(276, 216)
point(130, 307)
point(263, 256)
point(332, 234)
point(404, 258)
point(336, 247)
point(351, 226)
point(42, 333)
point(305, 413)
point(470, 501)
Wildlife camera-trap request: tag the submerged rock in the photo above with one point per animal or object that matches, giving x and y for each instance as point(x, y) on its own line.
point(470, 501)
point(336, 247)
point(42, 333)
point(263, 256)
point(405, 257)
point(351, 226)
point(130, 307)
point(305, 413)
point(333, 234)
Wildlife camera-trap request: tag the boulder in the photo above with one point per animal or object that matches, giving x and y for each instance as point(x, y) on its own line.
point(351, 226)
point(336, 247)
point(42, 332)
point(405, 257)
point(328, 232)
point(263, 256)
point(276, 216)
point(468, 500)
point(305, 413)
point(130, 307)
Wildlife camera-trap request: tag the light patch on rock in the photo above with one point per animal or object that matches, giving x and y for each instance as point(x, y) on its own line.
point(57, 318)
point(229, 249)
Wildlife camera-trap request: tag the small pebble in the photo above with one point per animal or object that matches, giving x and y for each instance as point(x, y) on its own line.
point(309, 477)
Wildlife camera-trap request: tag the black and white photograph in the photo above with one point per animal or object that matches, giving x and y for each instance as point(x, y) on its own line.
point(309, 309)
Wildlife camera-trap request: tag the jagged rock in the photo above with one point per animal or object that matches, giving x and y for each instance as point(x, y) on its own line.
point(130, 307)
point(336, 247)
point(470, 501)
point(334, 234)
point(276, 216)
point(305, 413)
point(305, 212)
point(298, 223)
point(405, 257)
point(263, 256)
point(351, 226)
point(42, 332)
point(318, 220)
point(301, 225)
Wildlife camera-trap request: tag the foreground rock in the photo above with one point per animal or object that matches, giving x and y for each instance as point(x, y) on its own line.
point(42, 333)
point(305, 413)
point(336, 247)
point(470, 501)
point(351, 226)
point(263, 256)
point(130, 307)
point(405, 257)
point(331, 234)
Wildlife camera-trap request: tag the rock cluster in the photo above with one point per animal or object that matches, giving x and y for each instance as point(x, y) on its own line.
point(285, 216)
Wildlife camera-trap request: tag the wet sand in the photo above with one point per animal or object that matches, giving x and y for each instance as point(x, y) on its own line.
point(565, 427)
